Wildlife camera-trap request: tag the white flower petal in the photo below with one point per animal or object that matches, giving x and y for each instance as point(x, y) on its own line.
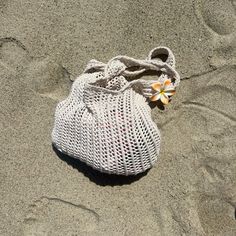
point(170, 92)
point(156, 86)
point(164, 99)
point(155, 97)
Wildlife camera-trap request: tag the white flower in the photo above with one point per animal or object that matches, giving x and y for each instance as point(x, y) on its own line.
point(163, 91)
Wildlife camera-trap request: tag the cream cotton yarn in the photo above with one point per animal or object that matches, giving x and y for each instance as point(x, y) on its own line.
point(106, 119)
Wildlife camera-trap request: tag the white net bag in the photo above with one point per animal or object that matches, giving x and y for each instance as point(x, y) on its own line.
point(106, 120)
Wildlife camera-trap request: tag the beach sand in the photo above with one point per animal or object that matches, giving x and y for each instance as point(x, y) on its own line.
point(45, 44)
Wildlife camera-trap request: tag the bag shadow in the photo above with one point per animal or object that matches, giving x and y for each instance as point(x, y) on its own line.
point(95, 176)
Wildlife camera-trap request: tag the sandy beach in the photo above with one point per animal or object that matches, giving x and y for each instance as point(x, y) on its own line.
point(191, 191)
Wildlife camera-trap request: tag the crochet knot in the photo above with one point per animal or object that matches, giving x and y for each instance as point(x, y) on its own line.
point(114, 68)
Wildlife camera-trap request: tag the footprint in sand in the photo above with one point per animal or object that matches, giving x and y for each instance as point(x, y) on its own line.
point(180, 219)
point(162, 215)
point(212, 121)
point(215, 95)
point(43, 76)
point(219, 18)
point(55, 217)
point(217, 215)
point(48, 78)
point(14, 56)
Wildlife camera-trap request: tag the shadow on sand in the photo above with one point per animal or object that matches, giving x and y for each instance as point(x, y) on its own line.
point(96, 176)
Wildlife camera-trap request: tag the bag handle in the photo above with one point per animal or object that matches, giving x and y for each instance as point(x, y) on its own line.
point(122, 65)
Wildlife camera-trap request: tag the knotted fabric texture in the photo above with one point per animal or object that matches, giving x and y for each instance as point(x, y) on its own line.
point(106, 119)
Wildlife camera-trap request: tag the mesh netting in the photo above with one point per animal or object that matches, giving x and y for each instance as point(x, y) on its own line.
point(106, 120)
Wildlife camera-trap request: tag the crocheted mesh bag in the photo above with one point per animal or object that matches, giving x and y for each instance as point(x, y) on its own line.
point(106, 120)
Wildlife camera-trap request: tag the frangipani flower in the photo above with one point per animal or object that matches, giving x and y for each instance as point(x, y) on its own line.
point(163, 91)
